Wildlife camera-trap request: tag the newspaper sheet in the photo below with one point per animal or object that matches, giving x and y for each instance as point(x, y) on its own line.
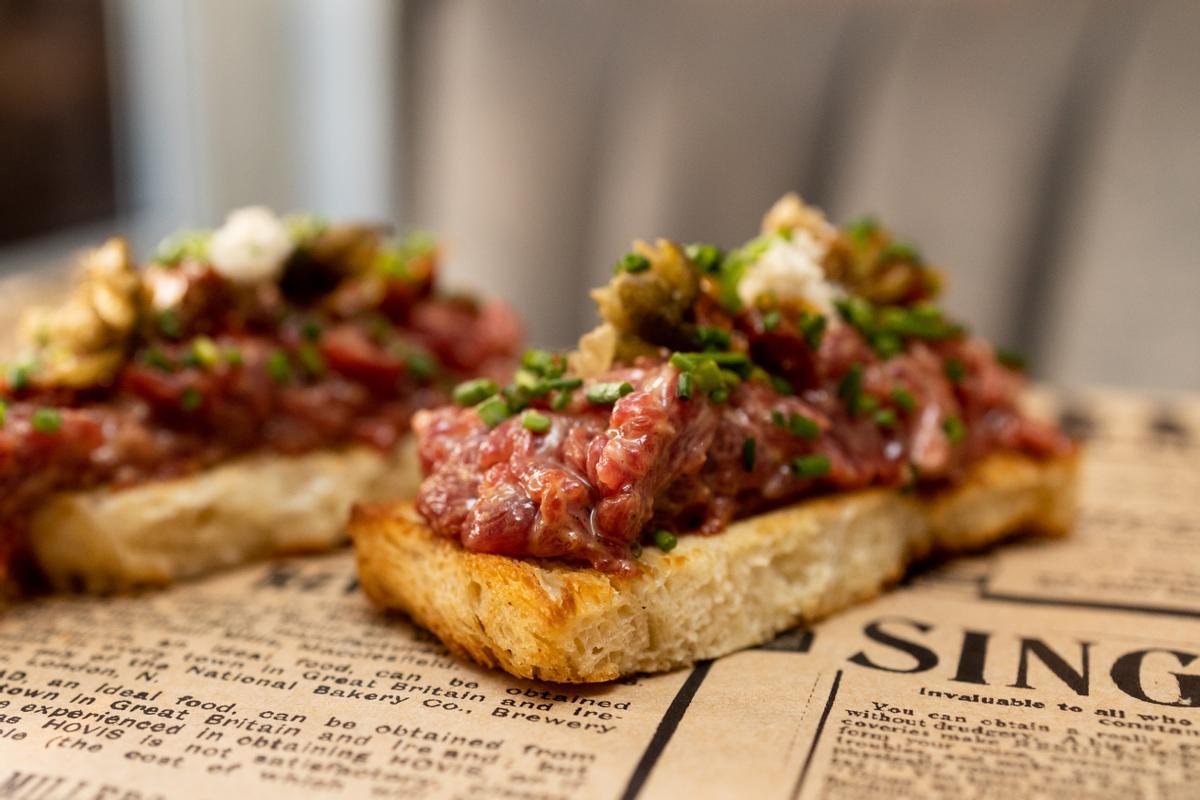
point(1041, 669)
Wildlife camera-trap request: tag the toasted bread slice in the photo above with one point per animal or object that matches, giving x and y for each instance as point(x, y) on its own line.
point(108, 540)
point(712, 594)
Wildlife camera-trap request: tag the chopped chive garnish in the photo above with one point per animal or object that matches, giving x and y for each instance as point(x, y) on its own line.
point(749, 451)
point(955, 429)
point(706, 257)
point(771, 320)
point(232, 355)
point(778, 418)
point(885, 418)
point(543, 362)
point(867, 403)
point(604, 393)
point(493, 410)
point(903, 399)
point(813, 328)
point(278, 367)
point(955, 370)
point(719, 395)
point(46, 420)
point(422, 365)
point(311, 359)
point(635, 548)
point(153, 357)
point(632, 262)
point(561, 400)
point(190, 400)
point(900, 251)
point(473, 392)
point(566, 383)
point(683, 387)
point(810, 466)
point(205, 350)
point(168, 323)
point(857, 311)
point(782, 385)
point(1011, 360)
point(311, 330)
point(3, 412)
point(887, 344)
point(862, 229)
point(18, 377)
point(803, 427)
point(191, 245)
point(531, 383)
point(850, 389)
point(665, 540)
point(534, 421)
point(710, 338)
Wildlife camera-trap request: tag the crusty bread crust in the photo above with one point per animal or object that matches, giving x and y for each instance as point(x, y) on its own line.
point(712, 594)
point(252, 508)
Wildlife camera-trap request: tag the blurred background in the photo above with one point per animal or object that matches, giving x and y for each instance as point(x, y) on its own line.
point(1046, 154)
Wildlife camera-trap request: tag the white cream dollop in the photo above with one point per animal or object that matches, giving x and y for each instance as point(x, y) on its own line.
point(790, 269)
point(251, 247)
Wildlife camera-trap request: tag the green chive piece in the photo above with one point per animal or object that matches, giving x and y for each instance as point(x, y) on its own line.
point(561, 400)
point(422, 365)
point(1011, 360)
point(516, 397)
point(665, 540)
point(311, 330)
point(719, 395)
point(534, 421)
point(311, 359)
point(710, 338)
point(18, 377)
point(857, 311)
point(749, 451)
point(813, 328)
point(778, 418)
point(955, 370)
point(190, 400)
point(543, 363)
point(632, 262)
point(278, 367)
point(867, 403)
point(771, 320)
point(903, 399)
point(850, 389)
point(782, 385)
point(567, 384)
point(862, 229)
point(493, 410)
point(683, 387)
point(900, 251)
point(803, 427)
point(635, 548)
point(169, 324)
point(885, 418)
point(232, 355)
point(605, 393)
point(887, 344)
point(810, 466)
point(3, 412)
point(46, 420)
point(706, 257)
point(153, 357)
point(205, 350)
point(955, 429)
point(473, 392)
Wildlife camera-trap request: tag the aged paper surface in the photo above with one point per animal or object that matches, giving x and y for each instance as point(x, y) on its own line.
point(1042, 669)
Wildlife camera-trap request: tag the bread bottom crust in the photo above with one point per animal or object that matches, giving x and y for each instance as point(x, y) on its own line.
point(255, 507)
point(709, 596)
